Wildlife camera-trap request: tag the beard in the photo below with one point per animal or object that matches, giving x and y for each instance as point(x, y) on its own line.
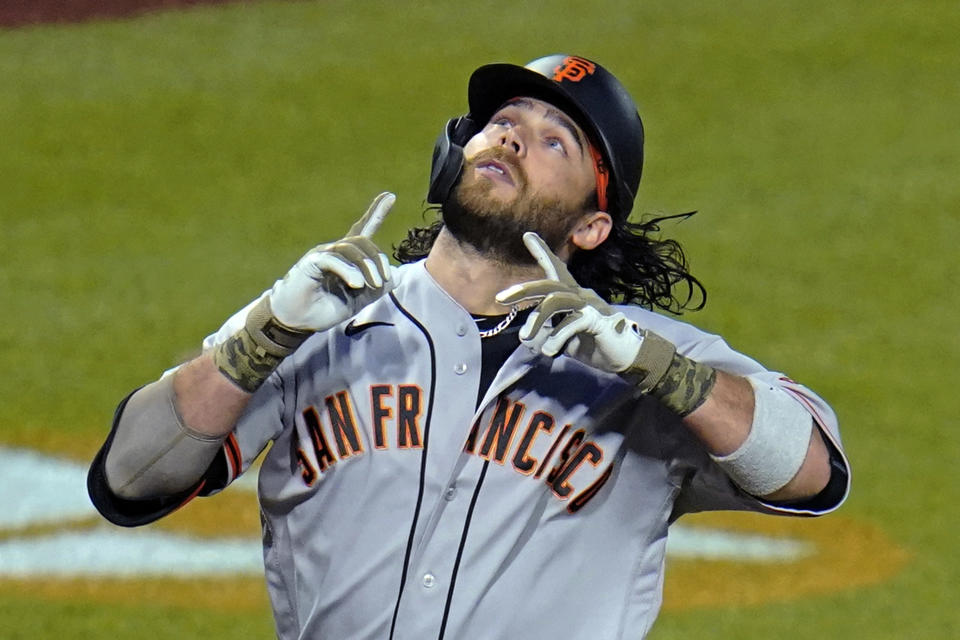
point(495, 228)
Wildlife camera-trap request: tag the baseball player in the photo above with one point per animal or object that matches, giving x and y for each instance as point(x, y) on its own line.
point(492, 439)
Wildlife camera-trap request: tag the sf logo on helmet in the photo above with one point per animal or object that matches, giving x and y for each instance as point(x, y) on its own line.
point(573, 69)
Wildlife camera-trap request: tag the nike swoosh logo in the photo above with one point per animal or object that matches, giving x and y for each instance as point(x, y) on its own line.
point(353, 328)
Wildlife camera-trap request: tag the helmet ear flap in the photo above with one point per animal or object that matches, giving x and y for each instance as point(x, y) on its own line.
point(448, 157)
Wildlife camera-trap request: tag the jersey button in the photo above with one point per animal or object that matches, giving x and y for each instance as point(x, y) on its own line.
point(461, 330)
point(460, 368)
point(450, 494)
point(429, 580)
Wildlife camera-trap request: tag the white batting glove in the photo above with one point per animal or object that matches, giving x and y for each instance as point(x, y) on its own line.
point(334, 281)
point(329, 284)
point(591, 331)
point(571, 319)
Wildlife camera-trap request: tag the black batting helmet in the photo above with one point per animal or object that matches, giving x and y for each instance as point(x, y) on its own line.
point(582, 89)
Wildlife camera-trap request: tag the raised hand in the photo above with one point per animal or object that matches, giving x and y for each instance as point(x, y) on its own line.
point(585, 327)
point(335, 280)
point(327, 285)
point(571, 319)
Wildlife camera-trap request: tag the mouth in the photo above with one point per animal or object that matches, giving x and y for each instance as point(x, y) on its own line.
point(495, 171)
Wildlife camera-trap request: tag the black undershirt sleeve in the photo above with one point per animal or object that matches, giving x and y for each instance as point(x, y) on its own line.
point(832, 494)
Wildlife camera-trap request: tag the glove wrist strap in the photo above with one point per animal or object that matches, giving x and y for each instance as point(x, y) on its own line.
point(249, 356)
point(270, 334)
point(680, 383)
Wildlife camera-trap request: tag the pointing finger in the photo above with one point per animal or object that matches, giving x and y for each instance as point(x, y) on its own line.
point(541, 253)
point(553, 266)
point(368, 224)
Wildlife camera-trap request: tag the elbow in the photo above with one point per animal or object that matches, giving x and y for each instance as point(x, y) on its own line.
point(812, 477)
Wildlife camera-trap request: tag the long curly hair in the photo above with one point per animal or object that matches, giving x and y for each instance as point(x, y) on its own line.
point(632, 266)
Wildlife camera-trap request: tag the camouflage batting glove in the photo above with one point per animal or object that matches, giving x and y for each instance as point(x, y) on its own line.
point(329, 284)
point(576, 321)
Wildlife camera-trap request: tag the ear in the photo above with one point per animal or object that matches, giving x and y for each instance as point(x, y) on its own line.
point(592, 230)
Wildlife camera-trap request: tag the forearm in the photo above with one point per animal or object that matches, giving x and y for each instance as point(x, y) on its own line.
point(762, 437)
point(725, 420)
point(722, 422)
point(209, 403)
point(170, 431)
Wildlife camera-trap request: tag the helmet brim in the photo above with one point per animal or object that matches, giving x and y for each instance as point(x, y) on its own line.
point(492, 85)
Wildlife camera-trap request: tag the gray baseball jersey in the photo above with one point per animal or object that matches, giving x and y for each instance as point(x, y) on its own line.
point(394, 508)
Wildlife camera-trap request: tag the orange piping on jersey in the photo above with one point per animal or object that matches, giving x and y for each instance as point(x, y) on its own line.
point(193, 495)
point(232, 449)
point(804, 400)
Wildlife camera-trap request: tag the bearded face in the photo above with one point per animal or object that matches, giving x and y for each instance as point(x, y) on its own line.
point(495, 227)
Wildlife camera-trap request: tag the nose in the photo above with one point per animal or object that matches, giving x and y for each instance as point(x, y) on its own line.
point(511, 139)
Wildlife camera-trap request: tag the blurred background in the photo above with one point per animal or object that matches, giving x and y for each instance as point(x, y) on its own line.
point(159, 170)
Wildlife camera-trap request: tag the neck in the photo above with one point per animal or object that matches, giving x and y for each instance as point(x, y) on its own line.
point(472, 278)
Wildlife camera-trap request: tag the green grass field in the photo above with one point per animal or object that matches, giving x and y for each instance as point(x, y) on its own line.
point(157, 173)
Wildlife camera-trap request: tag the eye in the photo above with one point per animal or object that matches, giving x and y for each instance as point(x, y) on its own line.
point(556, 144)
point(501, 121)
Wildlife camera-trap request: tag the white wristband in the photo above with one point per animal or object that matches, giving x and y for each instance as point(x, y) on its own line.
point(777, 444)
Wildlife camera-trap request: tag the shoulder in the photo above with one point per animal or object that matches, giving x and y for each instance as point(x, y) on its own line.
point(693, 342)
point(677, 331)
point(406, 272)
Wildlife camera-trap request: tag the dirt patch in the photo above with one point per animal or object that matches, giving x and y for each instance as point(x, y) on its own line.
point(18, 13)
